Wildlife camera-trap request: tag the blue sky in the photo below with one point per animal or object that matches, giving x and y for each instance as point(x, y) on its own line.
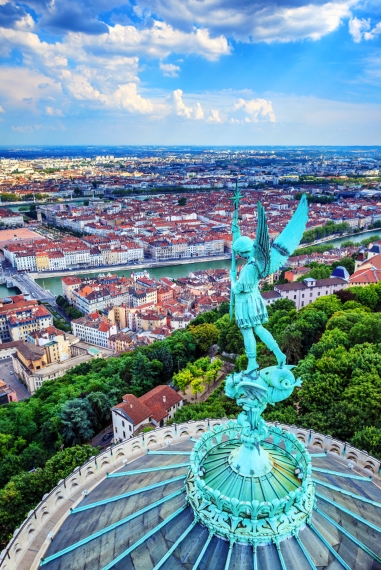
point(190, 72)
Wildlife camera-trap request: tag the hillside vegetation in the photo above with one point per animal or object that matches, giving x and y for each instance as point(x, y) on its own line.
point(335, 342)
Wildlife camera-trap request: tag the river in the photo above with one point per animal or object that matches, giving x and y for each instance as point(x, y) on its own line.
point(355, 238)
point(54, 285)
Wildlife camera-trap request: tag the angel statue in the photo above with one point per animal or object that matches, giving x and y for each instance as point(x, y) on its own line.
point(263, 258)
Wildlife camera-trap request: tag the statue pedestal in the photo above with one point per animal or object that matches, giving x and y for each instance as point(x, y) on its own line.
point(269, 498)
point(250, 482)
point(250, 462)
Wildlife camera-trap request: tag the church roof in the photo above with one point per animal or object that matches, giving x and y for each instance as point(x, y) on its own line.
point(137, 519)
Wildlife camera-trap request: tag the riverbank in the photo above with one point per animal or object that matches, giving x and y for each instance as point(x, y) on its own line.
point(150, 264)
point(172, 269)
point(345, 237)
point(54, 284)
point(147, 264)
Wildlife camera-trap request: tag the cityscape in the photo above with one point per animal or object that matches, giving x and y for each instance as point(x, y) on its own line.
point(125, 261)
point(190, 285)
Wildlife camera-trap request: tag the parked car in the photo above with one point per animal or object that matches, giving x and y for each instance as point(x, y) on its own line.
point(108, 436)
point(11, 372)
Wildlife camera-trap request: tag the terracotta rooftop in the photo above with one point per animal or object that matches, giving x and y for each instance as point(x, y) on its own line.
point(159, 400)
point(134, 409)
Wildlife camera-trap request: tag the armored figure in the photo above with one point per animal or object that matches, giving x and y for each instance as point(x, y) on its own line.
point(263, 258)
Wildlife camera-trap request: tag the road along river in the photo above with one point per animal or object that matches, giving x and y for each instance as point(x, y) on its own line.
point(54, 285)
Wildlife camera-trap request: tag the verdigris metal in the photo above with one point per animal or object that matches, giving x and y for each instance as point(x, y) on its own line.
point(249, 482)
point(263, 259)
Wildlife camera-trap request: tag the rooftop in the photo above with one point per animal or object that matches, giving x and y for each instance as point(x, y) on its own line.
point(137, 519)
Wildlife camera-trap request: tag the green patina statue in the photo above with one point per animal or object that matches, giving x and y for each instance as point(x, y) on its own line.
point(250, 482)
point(263, 259)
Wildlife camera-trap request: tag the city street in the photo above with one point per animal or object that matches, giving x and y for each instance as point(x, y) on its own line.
point(97, 441)
point(5, 374)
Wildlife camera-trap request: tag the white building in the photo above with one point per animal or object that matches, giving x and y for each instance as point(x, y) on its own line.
point(156, 407)
point(308, 290)
point(94, 329)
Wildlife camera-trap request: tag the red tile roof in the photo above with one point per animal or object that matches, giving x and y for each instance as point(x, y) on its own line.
point(134, 409)
point(159, 400)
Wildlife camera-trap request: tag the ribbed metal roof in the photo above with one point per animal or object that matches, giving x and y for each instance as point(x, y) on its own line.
point(138, 519)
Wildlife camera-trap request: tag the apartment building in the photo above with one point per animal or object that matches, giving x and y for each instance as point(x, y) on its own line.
point(156, 407)
point(10, 219)
point(307, 291)
point(69, 284)
point(123, 341)
point(94, 329)
point(35, 364)
point(19, 317)
point(55, 342)
point(28, 320)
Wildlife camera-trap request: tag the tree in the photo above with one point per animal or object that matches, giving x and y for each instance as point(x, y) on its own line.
point(223, 309)
point(207, 317)
point(11, 465)
point(26, 490)
point(77, 421)
point(346, 262)
point(211, 374)
point(204, 335)
point(182, 379)
point(369, 439)
point(367, 296)
point(86, 202)
point(182, 201)
point(230, 338)
point(100, 404)
point(291, 343)
point(182, 347)
point(33, 456)
point(144, 374)
point(197, 386)
point(161, 352)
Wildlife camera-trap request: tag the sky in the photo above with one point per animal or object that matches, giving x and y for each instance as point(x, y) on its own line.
point(173, 72)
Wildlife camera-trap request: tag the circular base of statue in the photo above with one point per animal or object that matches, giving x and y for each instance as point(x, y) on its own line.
point(250, 507)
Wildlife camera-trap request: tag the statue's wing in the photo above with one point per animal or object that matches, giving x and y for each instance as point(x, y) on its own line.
point(262, 243)
point(286, 243)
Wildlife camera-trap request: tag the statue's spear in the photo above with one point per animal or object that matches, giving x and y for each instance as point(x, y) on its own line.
point(237, 196)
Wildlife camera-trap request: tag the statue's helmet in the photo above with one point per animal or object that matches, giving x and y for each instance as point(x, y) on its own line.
point(243, 245)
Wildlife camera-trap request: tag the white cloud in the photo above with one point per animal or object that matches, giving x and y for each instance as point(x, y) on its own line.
point(357, 28)
point(126, 97)
point(23, 129)
point(103, 69)
point(373, 33)
point(198, 113)
point(1, 109)
point(53, 112)
point(158, 41)
point(21, 88)
point(169, 69)
point(256, 110)
point(255, 20)
point(214, 117)
point(181, 110)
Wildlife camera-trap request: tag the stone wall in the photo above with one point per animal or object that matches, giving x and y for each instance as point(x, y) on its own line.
point(31, 540)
